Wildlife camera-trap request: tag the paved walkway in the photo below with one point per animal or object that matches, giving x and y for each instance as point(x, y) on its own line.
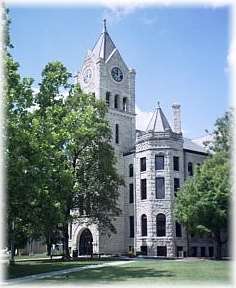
point(31, 278)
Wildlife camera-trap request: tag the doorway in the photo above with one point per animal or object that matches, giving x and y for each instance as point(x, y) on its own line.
point(86, 243)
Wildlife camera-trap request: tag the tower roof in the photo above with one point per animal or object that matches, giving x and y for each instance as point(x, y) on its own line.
point(158, 122)
point(104, 45)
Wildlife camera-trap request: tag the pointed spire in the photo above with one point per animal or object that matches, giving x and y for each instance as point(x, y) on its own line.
point(104, 25)
point(158, 122)
point(104, 45)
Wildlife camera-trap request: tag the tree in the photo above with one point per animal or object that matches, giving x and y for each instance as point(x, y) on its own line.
point(79, 159)
point(202, 204)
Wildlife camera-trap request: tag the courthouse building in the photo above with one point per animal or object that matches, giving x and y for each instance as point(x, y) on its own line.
point(154, 164)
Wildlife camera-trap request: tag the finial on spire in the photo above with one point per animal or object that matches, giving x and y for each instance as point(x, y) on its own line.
point(104, 25)
point(158, 104)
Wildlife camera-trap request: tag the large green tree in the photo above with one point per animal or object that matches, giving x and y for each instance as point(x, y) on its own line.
point(59, 156)
point(203, 203)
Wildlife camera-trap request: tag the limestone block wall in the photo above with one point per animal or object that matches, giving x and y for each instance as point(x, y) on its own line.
point(151, 206)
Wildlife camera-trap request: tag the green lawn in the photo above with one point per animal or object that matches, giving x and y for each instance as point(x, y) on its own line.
point(152, 271)
point(28, 267)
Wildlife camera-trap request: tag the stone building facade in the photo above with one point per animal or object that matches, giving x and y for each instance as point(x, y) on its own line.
point(154, 164)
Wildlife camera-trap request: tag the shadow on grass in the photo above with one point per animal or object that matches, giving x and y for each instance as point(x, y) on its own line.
point(21, 269)
point(112, 274)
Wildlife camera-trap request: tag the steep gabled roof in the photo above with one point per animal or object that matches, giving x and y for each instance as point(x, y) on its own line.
point(104, 45)
point(158, 122)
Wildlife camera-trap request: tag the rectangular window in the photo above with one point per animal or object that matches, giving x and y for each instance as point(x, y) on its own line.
point(108, 99)
point(70, 234)
point(131, 226)
point(211, 251)
point(143, 189)
point(159, 162)
point(143, 164)
point(203, 251)
point(117, 134)
point(178, 229)
point(161, 251)
point(131, 193)
point(131, 170)
point(176, 185)
point(176, 163)
point(160, 188)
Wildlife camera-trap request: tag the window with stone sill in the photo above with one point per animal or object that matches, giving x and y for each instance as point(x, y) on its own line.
point(176, 163)
point(176, 186)
point(161, 225)
point(143, 164)
point(190, 169)
point(143, 189)
point(159, 162)
point(131, 193)
point(144, 225)
point(116, 102)
point(131, 170)
point(108, 95)
point(178, 229)
point(160, 188)
point(131, 226)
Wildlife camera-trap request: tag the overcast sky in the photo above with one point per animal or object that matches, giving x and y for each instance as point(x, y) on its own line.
point(179, 54)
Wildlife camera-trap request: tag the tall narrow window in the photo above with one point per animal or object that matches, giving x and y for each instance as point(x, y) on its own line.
point(178, 229)
point(159, 162)
point(190, 169)
point(131, 170)
point(131, 226)
point(131, 193)
point(143, 164)
point(161, 225)
point(176, 163)
point(116, 101)
point(117, 133)
point(143, 189)
point(125, 104)
point(176, 185)
point(161, 251)
point(108, 95)
point(144, 225)
point(160, 188)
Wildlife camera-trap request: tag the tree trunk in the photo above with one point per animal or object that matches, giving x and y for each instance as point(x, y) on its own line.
point(218, 245)
point(66, 251)
point(12, 258)
point(188, 246)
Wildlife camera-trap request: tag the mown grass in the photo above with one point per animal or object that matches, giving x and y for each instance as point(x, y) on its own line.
point(29, 267)
point(152, 271)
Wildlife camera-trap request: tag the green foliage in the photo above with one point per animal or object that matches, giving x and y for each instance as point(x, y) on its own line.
point(203, 202)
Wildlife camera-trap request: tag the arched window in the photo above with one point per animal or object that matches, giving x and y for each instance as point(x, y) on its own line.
point(190, 169)
point(131, 170)
point(125, 104)
point(116, 102)
point(161, 225)
point(144, 225)
point(108, 95)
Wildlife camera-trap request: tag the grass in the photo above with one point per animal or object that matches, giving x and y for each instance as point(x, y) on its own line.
point(152, 271)
point(29, 267)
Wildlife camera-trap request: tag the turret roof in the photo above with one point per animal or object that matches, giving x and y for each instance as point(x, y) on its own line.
point(158, 122)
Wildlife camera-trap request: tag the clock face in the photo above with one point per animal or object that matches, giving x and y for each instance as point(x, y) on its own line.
point(87, 75)
point(116, 74)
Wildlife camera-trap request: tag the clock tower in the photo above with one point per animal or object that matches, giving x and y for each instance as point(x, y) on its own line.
point(105, 74)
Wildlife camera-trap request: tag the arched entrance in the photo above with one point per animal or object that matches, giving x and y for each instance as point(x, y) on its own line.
point(86, 243)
